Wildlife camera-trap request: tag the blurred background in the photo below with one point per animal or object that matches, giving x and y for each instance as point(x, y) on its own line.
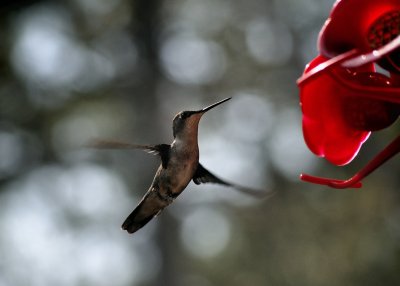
point(75, 70)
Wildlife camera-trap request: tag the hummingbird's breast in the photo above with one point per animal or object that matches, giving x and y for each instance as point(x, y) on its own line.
point(169, 182)
point(182, 165)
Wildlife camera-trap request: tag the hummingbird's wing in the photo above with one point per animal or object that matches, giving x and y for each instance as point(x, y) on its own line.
point(160, 149)
point(202, 175)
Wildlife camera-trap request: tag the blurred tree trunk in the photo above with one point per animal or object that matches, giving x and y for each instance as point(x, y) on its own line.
point(146, 32)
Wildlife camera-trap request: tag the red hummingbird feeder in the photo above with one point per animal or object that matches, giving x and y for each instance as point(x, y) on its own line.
point(342, 96)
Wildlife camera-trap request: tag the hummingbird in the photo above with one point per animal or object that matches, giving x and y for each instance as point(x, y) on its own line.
point(179, 165)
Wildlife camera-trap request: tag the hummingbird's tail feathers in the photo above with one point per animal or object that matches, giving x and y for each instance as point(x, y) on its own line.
point(202, 175)
point(132, 225)
point(150, 207)
point(137, 219)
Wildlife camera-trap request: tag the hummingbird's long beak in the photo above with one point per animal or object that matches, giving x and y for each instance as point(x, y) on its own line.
point(205, 109)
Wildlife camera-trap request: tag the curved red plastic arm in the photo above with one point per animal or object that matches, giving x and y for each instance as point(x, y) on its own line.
point(355, 182)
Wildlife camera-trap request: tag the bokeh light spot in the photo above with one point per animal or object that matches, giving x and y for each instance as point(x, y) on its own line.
point(205, 233)
point(287, 149)
point(53, 208)
point(269, 42)
point(248, 117)
point(188, 59)
point(44, 52)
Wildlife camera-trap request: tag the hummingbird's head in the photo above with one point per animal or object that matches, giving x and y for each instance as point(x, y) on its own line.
point(186, 122)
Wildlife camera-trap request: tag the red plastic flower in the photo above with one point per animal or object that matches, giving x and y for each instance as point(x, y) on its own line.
point(342, 96)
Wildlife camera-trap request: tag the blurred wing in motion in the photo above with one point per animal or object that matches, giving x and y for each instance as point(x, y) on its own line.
point(111, 144)
point(161, 149)
point(202, 176)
